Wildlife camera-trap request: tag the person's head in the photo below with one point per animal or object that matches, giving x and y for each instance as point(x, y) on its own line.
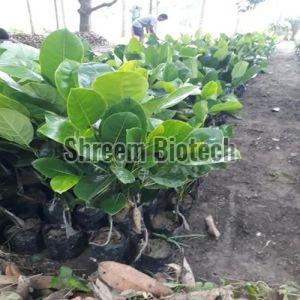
point(4, 34)
point(162, 17)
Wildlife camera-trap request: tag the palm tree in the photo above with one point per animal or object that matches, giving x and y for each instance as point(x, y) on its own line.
point(30, 16)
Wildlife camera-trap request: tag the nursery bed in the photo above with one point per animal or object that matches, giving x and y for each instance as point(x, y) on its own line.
point(256, 201)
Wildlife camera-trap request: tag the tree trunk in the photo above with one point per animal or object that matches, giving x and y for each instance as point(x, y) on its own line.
point(30, 16)
point(157, 6)
point(56, 13)
point(63, 12)
point(123, 31)
point(237, 24)
point(202, 15)
point(151, 7)
point(85, 12)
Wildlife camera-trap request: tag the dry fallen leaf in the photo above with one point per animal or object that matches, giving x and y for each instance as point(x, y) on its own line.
point(214, 294)
point(102, 291)
point(122, 277)
point(187, 275)
point(12, 270)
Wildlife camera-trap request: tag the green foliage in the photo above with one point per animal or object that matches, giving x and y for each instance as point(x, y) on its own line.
point(133, 94)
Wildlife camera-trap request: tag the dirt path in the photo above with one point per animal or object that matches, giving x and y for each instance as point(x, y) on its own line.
point(256, 201)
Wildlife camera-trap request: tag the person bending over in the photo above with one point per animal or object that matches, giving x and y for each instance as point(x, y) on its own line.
point(148, 23)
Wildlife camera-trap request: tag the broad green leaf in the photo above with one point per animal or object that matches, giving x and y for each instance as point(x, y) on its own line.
point(57, 128)
point(88, 72)
point(192, 64)
point(239, 70)
point(116, 86)
point(179, 95)
point(210, 91)
point(124, 175)
point(128, 105)
point(66, 77)
point(230, 105)
point(6, 102)
point(15, 127)
point(20, 72)
point(58, 46)
point(63, 183)
point(221, 54)
point(154, 74)
point(92, 185)
point(164, 85)
point(85, 107)
point(19, 51)
point(113, 129)
point(134, 46)
point(170, 129)
point(112, 204)
point(47, 97)
point(251, 72)
point(52, 167)
point(200, 110)
point(135, 135)
point(212, 75)
point(170, 72)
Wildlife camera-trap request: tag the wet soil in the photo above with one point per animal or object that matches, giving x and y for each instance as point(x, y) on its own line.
point(256, 201)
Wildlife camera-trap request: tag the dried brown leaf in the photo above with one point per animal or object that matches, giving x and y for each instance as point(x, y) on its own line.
point(12, 270)
point(187, 275)
point(102, 291)
point(122, 277)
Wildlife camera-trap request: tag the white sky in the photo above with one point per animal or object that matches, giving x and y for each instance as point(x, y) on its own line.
point(220, 16)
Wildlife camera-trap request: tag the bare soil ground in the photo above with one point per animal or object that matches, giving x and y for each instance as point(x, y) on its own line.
point(256, 201)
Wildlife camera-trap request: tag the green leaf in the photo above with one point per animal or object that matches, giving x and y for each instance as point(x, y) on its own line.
point(134, 46)
point(85, 107)
point(57, 47)
point(230, 105)
point(63, 183)
point(200, 110)
point(92, 185)
point(52, 167)
point(164, 85)
point(178, 95)
point(123, 174)
point(20, 72)
point(135, 135)
point(170, 72)
point(239, 70)
point(112, 204)
point(116, 86)
point(128, 105)
point(57, 128)
point(113, 129)
point(210, 91)
point(15, 127)
point(88, 72)
point(66, 77)
point(221, 54)
point(48, 97)
point(6, 102)
point(170, 129)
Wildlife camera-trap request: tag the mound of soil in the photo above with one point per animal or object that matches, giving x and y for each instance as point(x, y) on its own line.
point(35, 40)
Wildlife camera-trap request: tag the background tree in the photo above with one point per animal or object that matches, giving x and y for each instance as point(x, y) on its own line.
point(30, 16)
point(242, 7)
point(56, 13)
point(150, 7)
point(63, 12)
point(202, 15)
point(85, 11)
point(123, 30)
